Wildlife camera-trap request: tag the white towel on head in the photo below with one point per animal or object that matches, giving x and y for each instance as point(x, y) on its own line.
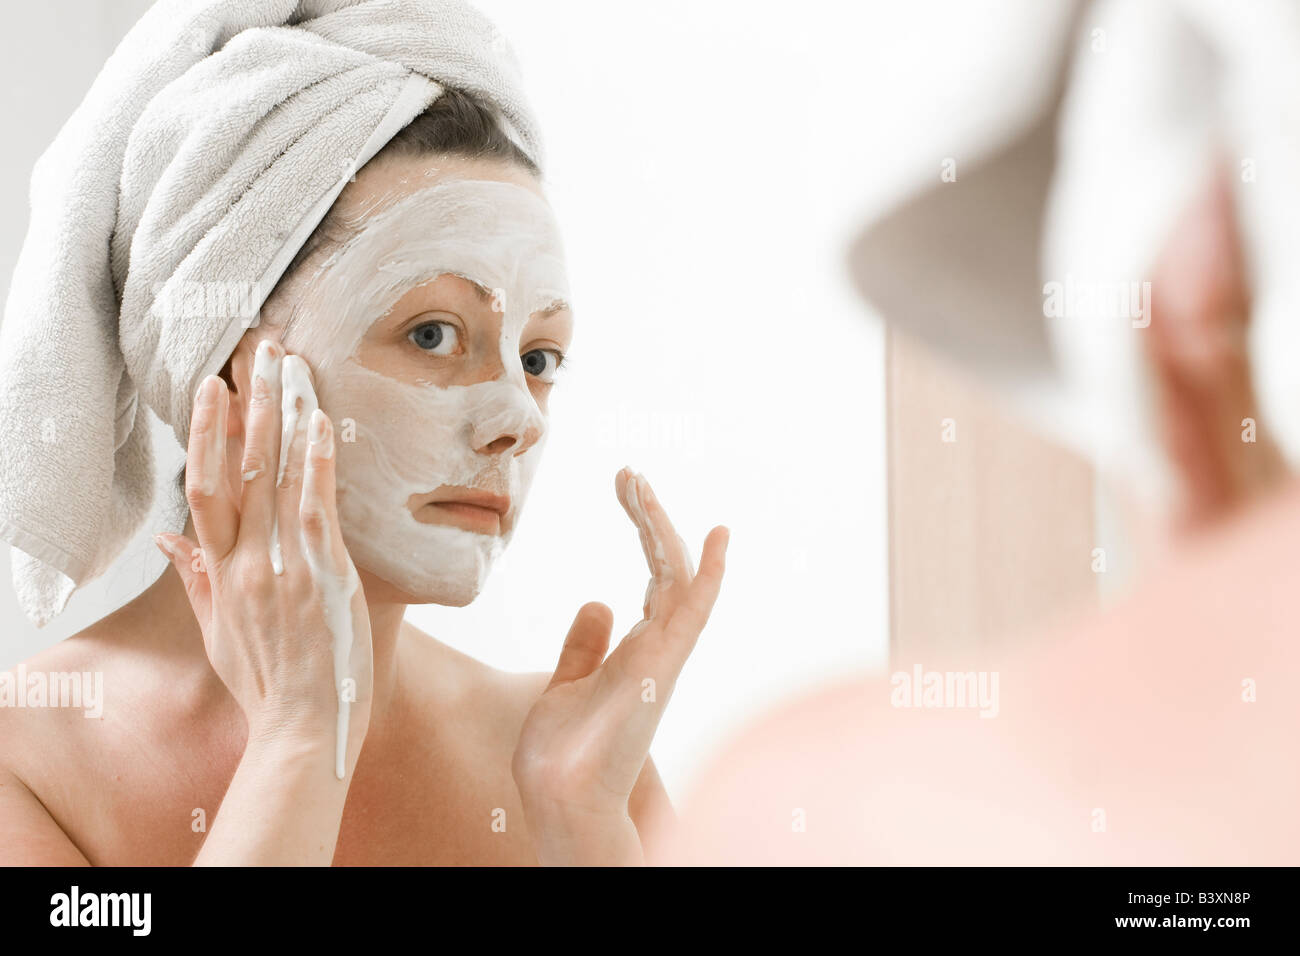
point(211, 144)
point(1076, 178)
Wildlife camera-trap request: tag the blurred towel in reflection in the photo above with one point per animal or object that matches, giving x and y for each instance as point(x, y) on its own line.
point(1029, 260)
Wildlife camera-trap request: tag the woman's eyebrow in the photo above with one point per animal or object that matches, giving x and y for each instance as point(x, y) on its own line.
point(559, 305)
point(485, 295)
point(488, 296)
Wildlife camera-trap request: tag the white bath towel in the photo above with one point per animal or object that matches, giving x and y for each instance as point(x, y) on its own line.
point(211, 144)
point(1067, 188)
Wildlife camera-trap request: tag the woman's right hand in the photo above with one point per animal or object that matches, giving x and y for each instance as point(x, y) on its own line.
point(270, 636)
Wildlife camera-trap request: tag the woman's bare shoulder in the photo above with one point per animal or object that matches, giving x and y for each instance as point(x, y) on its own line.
point(73, 692)
point(500, 697)
point(49, 697)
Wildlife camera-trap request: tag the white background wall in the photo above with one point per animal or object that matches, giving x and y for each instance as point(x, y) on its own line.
point(708, 161)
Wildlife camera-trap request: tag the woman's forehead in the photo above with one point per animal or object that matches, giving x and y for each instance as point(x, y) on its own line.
point(391, 178)
point(509, 231)
point(489, 233)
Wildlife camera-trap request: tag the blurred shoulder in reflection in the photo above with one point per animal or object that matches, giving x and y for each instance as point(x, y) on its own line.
point(1160, 732)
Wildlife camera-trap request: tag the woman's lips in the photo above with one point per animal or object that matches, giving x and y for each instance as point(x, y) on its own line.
point(465, 508)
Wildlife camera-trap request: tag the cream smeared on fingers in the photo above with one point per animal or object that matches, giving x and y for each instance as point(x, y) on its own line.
point(267, 364)
point(336, 586)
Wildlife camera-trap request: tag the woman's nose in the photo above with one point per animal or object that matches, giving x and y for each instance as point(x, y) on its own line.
point(500, 446)
point(511, 427)
point(513, 441)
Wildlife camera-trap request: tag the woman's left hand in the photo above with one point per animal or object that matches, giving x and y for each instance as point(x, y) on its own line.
point(585, 740)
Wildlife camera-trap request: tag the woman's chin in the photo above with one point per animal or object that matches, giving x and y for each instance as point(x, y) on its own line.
point(416, 563)
point(450, 598)
point(448, 591)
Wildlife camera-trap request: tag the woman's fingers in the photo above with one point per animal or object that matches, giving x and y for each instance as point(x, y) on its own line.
point(692, 612)
point(317, 509)
point(216, 519)
point(586, 644)
point(665, 553)
point(260, 466)
point(188, 560)
point(298, 403)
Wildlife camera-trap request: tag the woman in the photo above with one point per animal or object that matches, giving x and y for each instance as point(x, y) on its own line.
point(267, 703)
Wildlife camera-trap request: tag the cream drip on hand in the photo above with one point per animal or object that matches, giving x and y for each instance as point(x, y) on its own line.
point(300, 414)
point(267, 369)
point(336, 591)
point(297, 403)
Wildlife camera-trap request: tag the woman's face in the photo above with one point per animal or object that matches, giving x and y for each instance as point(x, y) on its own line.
point(433, 330)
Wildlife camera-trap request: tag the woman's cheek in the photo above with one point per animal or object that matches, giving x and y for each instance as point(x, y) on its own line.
point(541, 394)
point(402, 361)
point(398, 441)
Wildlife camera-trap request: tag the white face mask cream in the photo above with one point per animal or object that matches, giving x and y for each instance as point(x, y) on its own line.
point(402, 440)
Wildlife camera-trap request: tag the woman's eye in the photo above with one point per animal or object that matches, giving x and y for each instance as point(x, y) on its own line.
point(440, 338)
point(542, 364)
